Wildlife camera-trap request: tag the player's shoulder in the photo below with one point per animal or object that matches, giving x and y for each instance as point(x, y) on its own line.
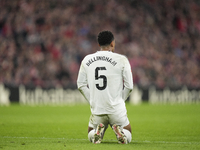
point(119, 55)
point(89, 56)
point(112, 54)
point(122, 57)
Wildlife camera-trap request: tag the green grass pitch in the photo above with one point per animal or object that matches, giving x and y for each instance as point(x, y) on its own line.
point(154, 127)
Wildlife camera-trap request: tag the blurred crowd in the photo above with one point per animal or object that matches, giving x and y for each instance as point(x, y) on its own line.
point(42, 42)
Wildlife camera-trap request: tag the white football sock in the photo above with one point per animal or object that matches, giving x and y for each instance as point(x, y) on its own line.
point(128, 135)
point(91, 135)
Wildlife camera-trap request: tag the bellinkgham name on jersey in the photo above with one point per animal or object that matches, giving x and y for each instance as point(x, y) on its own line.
point(101, 58)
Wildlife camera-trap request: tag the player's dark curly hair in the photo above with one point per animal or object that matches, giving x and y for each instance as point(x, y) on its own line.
point(105, 38)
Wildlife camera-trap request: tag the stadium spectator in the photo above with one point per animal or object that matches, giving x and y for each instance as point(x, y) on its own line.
point(43, 42)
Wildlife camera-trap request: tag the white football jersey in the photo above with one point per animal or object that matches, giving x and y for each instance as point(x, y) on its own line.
point(103, 75)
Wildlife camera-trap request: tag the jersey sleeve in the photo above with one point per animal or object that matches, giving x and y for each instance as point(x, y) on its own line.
point(128, 79)
point(82, 83)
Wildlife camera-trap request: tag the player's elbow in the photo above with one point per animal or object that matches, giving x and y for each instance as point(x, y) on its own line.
point(130, 88)
point(81, 87)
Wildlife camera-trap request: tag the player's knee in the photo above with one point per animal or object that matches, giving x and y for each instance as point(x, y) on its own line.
point(128, 135)
point(91, 135)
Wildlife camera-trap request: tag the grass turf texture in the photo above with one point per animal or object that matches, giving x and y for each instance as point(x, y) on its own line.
point(65, 127)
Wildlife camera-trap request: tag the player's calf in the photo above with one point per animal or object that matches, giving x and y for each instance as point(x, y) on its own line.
point(96, 136)
point(121, 137)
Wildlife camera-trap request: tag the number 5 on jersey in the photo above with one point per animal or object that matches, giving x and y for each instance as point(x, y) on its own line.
point(100, 77)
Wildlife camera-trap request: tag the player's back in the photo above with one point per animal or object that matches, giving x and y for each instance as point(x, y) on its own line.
point(104, 71)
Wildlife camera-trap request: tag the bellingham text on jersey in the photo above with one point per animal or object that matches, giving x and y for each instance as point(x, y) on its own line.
point(101, 58)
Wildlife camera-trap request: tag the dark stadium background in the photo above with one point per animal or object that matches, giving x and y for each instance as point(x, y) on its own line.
point(43, 42)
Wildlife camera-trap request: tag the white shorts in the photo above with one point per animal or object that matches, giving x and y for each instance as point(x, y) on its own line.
point(119, 118)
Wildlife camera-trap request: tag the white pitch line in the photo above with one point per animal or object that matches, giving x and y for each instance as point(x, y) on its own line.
point(165, 142)
point(40, 138)
point(158, 142)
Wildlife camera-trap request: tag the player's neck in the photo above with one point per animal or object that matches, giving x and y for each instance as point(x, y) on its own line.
point(107, 48)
